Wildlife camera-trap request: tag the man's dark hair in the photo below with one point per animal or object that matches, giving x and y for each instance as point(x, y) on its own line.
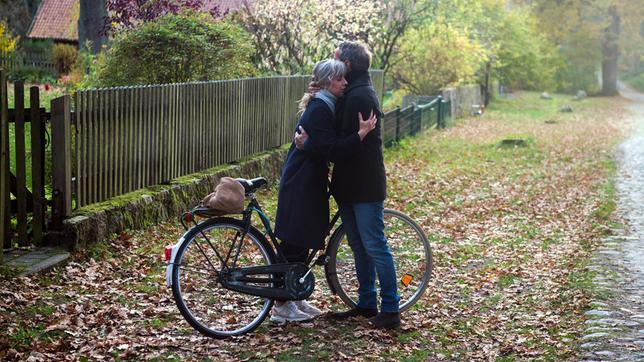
point(357, 53)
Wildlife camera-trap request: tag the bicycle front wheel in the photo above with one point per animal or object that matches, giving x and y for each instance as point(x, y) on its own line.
point(412, 255)
point(208, 307)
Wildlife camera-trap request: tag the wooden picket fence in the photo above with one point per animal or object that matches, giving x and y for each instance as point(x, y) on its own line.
point(28, 204)
point(21, 59)
point(108, 142)
point(128, 138)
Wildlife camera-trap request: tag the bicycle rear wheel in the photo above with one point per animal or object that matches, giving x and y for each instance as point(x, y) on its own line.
point(208, 307)
point(412, 255)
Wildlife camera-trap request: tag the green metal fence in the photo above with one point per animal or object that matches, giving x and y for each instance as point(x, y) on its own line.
point(400, 123)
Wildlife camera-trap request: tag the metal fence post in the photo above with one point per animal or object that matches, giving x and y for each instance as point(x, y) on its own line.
point(397, 125)
point(62, 160)
point(439, 123)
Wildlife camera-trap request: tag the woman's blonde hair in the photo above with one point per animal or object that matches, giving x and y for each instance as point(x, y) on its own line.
point(323, 72)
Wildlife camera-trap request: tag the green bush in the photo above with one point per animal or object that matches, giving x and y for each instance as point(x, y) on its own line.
point(36, 45)
point(177, 48)
point(31, 75)
point(64, 57)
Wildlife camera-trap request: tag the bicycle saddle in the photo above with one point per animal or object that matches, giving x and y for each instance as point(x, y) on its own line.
point(251, 185)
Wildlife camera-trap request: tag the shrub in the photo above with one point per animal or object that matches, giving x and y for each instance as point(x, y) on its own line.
point(177, 48)
point(84, 74)
point(31, 75)
point(7, 41)
point(64, 57)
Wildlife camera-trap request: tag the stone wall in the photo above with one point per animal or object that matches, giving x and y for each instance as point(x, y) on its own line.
point(463, 98)
point(144, 208)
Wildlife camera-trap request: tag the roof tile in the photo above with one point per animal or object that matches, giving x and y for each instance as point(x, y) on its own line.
point(56, 19)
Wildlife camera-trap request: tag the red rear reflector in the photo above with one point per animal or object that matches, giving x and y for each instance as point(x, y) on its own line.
point(187, 217)
point(168, 253)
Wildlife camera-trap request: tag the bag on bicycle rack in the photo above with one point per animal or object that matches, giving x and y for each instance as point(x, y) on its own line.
point(228, 197)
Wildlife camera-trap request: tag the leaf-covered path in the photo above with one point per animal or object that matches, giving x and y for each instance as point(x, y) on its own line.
point(512, 231)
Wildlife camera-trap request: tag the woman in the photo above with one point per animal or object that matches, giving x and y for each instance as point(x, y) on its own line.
point(303, 201)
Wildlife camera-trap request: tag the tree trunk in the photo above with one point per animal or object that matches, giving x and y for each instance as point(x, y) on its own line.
point(91, 24)
point(610, 54)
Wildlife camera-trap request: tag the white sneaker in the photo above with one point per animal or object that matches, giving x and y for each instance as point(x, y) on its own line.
point(288, 312)
point(307, 308)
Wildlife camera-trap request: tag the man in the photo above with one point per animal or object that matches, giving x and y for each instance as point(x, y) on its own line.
point(358, 184)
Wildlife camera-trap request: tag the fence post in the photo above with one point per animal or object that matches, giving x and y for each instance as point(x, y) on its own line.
point(21, 169)
point(4, 159)
point(61, 160)
point(37, 166)
point(397, 124)
point(446, 107)
point(438, 113)
point(417, 118)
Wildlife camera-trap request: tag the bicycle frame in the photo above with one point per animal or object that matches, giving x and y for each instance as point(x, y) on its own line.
point(254, 206)
point(235, 248)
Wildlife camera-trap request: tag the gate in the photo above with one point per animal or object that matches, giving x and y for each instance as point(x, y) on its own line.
point(23, 199)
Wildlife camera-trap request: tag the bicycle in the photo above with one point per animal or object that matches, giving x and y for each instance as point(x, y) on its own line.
point(225, 274)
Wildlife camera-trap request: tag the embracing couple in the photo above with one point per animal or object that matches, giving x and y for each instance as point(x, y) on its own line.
point(339, 124)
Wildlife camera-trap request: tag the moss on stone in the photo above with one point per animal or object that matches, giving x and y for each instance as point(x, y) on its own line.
point(143, 208)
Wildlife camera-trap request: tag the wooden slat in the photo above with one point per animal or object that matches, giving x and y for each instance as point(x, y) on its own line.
point(5, 240)
point(172, 131)
point(99, 146)
point(112, 154)
point(156, 132)
point(217, 119)
point(93, 143)
point(139, 126)
point(119, 142)
point(162, 137)
point(37, 176)
point(108, 150)
point(131, 156)
point(21, 169)
point(181, 140)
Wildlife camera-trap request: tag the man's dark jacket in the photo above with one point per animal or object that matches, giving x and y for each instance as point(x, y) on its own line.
point(359, 176)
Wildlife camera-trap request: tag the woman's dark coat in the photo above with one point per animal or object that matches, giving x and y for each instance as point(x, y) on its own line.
point(303, 202)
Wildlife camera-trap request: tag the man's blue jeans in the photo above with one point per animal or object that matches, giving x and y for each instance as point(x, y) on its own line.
point(364, 225)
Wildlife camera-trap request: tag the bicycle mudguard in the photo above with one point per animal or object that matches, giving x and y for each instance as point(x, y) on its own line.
point(327, 252)
point(172, 250)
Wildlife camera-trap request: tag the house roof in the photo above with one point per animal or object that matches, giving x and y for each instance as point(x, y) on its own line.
point(56, 19)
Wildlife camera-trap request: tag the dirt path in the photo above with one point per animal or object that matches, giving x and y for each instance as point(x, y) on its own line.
point(615, 330)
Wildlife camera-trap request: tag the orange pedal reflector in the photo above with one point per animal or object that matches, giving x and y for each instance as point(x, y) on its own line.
point(406, 279)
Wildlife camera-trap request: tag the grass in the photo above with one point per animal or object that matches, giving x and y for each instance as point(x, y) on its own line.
point(635, 80)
